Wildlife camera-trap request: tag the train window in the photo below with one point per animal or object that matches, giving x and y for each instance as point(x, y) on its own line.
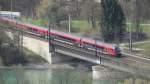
point(34, 30)
point(64, 40)
point(117, 49)
point(88, 45)
point(30, 29)
point(100, 48)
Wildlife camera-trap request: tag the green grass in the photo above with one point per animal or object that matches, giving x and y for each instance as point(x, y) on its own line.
point(39, 22)
point(80, 24)
point(145, 28)
point(145, 47)
point(76, 25)
point(83, 27)
point(142, 45)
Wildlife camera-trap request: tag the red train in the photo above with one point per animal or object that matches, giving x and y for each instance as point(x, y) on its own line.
point(112, 50)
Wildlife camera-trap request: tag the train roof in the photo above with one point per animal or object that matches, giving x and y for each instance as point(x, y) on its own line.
point(53, 31)
point(89, 40)
point(102, 44)
point(70, 36)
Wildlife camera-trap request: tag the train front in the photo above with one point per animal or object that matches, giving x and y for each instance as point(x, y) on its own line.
point(117, 50)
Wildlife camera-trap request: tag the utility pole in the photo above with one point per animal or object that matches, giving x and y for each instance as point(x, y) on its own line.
point(49, 37)
point(69, 17)
point(11, 5)
point(130, 43)
point(129, 27)
point(134, 22)
point(96, 47)
point(96, 53)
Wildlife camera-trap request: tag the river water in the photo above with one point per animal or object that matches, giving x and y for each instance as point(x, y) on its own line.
point(60, 76)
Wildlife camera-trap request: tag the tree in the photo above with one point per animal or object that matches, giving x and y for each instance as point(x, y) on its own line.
point(136, 15)
point(60, 10)
point(112, 21)
point(90, 10)
point(26, 7)
point(43, 7)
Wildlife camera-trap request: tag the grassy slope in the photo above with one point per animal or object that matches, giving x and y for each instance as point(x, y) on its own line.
point(145, 49)
point(145, 28)
point(78, 26)
point(144, 46)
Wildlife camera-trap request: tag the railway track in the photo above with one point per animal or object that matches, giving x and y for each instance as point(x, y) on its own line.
point(126, 56)
point(138, 58)
point(127, 60)
point(135, 61)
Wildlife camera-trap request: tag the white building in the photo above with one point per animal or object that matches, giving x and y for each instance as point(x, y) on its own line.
point(99, 1)
point(10, 14)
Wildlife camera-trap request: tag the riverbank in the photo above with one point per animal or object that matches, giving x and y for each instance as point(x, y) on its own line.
point(63, 75)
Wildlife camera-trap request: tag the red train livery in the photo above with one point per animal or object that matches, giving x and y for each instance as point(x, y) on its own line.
point(112, 50)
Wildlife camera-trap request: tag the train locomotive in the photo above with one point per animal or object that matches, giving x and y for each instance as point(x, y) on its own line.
point(110, 49)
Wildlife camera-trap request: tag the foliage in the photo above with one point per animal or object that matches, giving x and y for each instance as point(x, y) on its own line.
point(79, 25)
point(55, 15)
point(43, 7)
point(145, 28)
point(76, 25)
point(26, 7)
point(38, 22)
point(113, 20)
point(73, 77)
point(90, 10)
point(145, 49)
point(9, 52)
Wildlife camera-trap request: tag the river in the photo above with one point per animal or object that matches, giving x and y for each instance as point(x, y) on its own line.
point(60, 76)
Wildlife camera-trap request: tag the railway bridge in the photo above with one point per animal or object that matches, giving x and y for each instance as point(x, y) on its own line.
point(60, 51)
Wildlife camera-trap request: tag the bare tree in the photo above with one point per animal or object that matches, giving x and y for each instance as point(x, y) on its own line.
point(90, 10)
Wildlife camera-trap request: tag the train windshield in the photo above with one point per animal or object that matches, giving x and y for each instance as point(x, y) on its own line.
point(117, 49)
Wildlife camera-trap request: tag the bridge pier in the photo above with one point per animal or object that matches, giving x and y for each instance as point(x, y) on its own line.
point(104, 74)
point(58, 58)
point(41, 48)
